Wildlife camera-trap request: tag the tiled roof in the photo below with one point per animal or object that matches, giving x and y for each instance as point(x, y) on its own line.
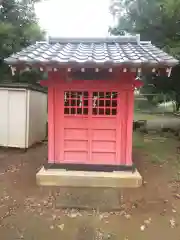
point(92, 52)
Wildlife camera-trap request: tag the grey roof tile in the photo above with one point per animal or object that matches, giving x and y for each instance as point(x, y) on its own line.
point(95, 51)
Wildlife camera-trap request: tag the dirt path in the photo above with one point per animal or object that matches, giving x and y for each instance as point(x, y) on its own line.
point(29, 212)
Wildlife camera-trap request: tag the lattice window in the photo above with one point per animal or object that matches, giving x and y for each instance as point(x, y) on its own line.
point(104, 103)
point(76, 103)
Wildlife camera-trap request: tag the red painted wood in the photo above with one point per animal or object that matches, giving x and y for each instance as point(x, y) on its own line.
point(138, 83)
point(89, 138)
point(51, 127)
point(129, 127)
point(45, 83)
point(59, 129)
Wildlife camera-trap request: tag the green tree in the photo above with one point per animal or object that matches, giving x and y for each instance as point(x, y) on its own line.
point(157, 21)
point(18, 28)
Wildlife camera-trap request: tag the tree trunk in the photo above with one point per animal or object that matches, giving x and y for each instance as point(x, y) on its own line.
point(177, 106)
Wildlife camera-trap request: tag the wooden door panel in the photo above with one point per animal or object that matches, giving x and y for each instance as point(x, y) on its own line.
point(104, 146)
point(104, 134)
point(103, 158)
point(80, 145)
point(76, 122)
point(75, 134)
point(75, 157)
point(90, 122)
point(104, 123)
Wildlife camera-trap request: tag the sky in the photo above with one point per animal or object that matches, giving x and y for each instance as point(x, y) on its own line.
point(74, 18)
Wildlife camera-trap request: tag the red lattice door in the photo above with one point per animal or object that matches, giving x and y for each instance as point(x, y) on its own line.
point(91, 120)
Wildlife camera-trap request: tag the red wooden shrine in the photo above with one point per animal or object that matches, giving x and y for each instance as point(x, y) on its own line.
point(90, 97)
point(90, 121)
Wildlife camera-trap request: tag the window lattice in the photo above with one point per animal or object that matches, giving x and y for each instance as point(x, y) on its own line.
point(77, 103)
point(104, 103)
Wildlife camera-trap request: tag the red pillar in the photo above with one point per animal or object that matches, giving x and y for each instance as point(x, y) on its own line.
point(53, 99)
point(129, 126)
point(127, 115)
point(51, 127)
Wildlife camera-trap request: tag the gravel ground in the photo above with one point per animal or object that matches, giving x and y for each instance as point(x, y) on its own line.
point(30, 212)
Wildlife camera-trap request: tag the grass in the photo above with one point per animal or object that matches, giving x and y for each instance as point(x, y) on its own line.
point(157, 149)
point(144, 116)
point(144, 110)
point(151, 116)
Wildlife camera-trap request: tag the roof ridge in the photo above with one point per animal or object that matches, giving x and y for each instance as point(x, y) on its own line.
point(110, 39)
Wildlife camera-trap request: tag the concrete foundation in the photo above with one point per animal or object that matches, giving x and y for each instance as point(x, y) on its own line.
point(64, 178)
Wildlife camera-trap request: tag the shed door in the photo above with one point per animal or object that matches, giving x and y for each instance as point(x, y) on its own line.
point(90, 127)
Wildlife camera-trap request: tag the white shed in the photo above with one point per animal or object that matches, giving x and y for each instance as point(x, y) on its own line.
point(23, 115)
